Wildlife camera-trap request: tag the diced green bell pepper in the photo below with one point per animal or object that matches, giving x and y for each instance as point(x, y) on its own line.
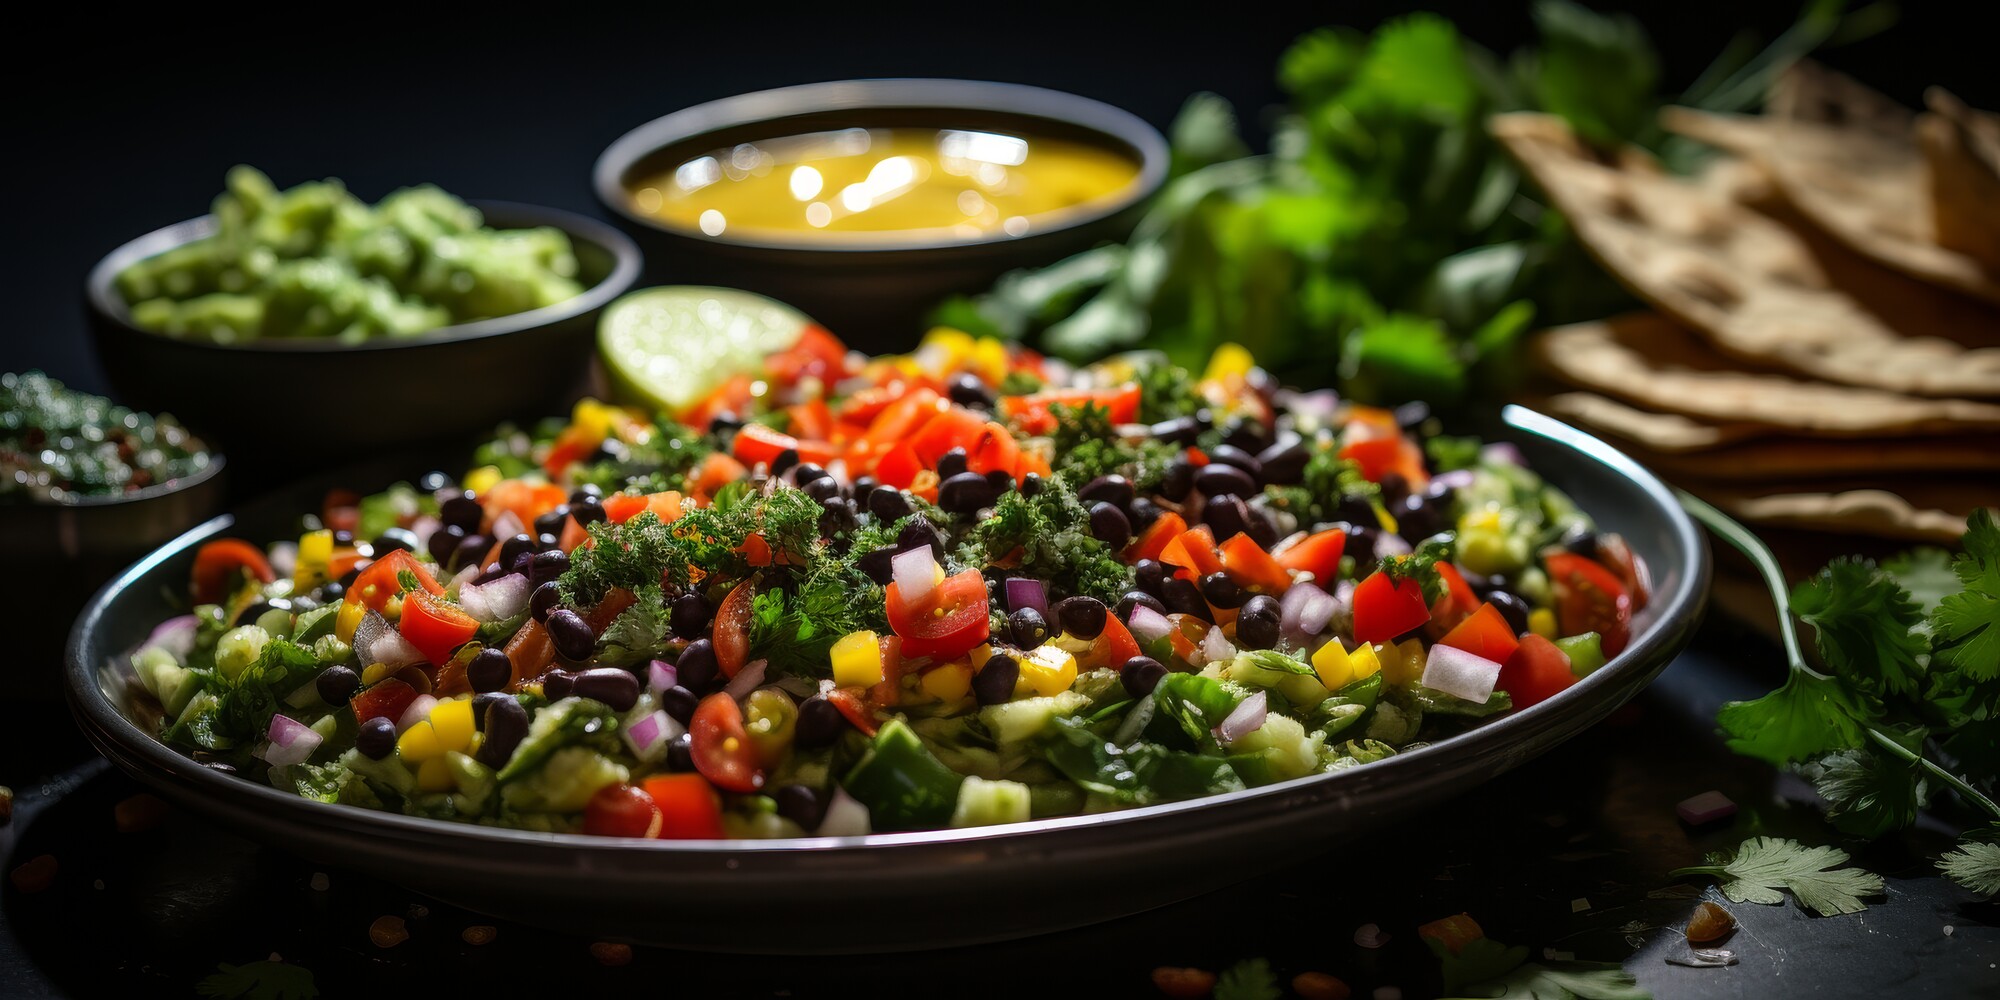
point(1585, 652)
point(904, 786)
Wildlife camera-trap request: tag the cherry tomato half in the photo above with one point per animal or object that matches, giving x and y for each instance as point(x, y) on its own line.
point(732, 629)
point(435, 627)
point(947, 622)
point(622, 811)
point(219, 566)
point(689, 807)
point(721, 749)
point(1590, 599)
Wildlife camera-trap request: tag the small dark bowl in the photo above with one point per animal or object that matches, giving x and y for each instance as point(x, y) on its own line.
point(261, 399)
point(873, 293)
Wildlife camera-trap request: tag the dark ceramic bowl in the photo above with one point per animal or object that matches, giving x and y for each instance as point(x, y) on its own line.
point(914, 890)
point(874, 294)
point(261, 398)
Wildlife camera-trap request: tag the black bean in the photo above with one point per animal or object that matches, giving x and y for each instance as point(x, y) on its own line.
point(820, 723)
point(1257, 625)
point(1177, 480)
point(587, 514)
point(1109, 525)
point(680, 703)
point(490, 670)
point(552, 522)
point(1000, 480)
point(376, 738)
point(433, 481)
point(1143, 512)
point(517, 547)
point(483, 701)
point(696, 665)
point(1226, 515)
point(471, 549)
point(347, 579)
point(249, 615)
point(1583, 542)
point(572, 636)
point(1115, 490)
point(546, 566)
point(806, 472)
point(691, 615)
point(506, 725)
point(1140, 675)
point(1028, 628)
point(1221, 591)
point(1394, 489)
point(1230, 455)
point(1419, 516)
point(965, 493)
point(1512, 608)
point(725, 423)
point(802, 805)
point(616, 688)
point(967, 390)
point(1216, 479)
point(1261, 528)
point(838, 516)
point(785, 460)
point(822, 489)
point(919, 531)
point(680, 754)
point(994, 683)
point(1179, 430)
point(556, 683)
point(878, 564)
point(443, 542)
point(330, 591)
point(863, 485)
point(951, 463)
point(1133, 599)
point(1361, 542)
point(392, 539)
point(888, 504)
point(1031, 484)
point(545, 543)
point(587, 493)
point(1152, 575)
point(1284, 463)
point(544, 600)
point(462, 512)
point(1355, 509)
point(1080, 616)
point(1181, 596)
point(342, 538)
point(336, 684)
point(1246, 433)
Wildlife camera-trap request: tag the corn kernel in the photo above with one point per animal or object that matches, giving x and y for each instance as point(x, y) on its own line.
point(948, 683)
point(1402, 664)
point(1364, 663)
point(482, 479)
point(1229, 360)
point(375, 673)
point(419, 744)
point(1334, 666)
point(347, 619)
point(1542, 622)
point(434, 775)
point(315, 555)
point(1050, 669)
point(453, 722)
point(857, 660)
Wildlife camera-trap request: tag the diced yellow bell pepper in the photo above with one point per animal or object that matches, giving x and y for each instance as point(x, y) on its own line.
point(434, 775)
point(1334, 666)
point(1365, 663)
point(948, 683)
point(482, 479)
point(1231, 360)
point(420, 743)
point(453, 722)
point(375, 673)
point(980, 654)
point(1542, 622)
point(347, 619)
point(1402, 664)
point(989, 360)
point(314, 558)
point(942, 350)
point(1049, 669)
point(857, 660)
point(592, 419)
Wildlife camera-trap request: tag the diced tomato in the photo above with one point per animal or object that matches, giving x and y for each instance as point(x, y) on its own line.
point(865, 405)
point(1153, 541)
point(220, 566)
point(436, 628)
point(1032, 415)
point(1188, 633)
point(531, 651)
point(1626, 565)
point(899, 467)
point(525, 500)
point(385, 699)
point(1457, 601)
point(1031, 461)
point(1193, 553)
point(345, 559)
point(756, 551)
point(732, 629)
point(665, 505)
point(1590, 599)
point(383, 578)
point(888, 693)
point(756, 443)
point(732, 396)
point(810, 421)
point(1483, 633)
point(1318, 553)
point(947, 622)
point(993, 447)
point(1453, 933)
point(715, 472)
point(574, 535)
point(570, 446)
point(901, 418)
point(1248, 564)
point(721, 747)
point(1385, 608)
point(689, 807)
point(817, 354)
point(954, 427)
point(1111, 648)
point(340, 510)
point(622, 811)
point(622, 507)
point(852, 709)
point(1377, 457)
point(1534, 672)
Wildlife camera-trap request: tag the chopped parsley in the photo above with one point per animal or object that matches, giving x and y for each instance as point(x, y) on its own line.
point(1087, 446)
point(1048, 536)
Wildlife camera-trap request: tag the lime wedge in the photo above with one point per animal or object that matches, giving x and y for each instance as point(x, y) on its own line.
point(669, 347)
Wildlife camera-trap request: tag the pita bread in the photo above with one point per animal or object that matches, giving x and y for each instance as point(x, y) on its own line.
point(1961, 149)
point(1650, 361)
point(1750, 285)
point(1810, 92)
point(1659, 433)
point(1865, 189)
point(1867, 512)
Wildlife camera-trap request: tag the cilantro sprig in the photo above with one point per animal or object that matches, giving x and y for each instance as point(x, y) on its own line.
point(1764, 865)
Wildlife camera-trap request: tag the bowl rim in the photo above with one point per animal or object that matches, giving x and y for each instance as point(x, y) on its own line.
point(1646, 654)
point(885, 93)
point(216, 461)
point(100, 287)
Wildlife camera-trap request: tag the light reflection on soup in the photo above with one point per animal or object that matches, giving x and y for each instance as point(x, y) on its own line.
point(886, 183)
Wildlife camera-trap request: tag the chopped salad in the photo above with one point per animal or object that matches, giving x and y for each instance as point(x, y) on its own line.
point(842, 595)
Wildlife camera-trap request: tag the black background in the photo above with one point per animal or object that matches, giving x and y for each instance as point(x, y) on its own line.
point(123, 123)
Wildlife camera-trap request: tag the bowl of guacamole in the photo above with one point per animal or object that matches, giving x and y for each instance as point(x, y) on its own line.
point(414, 319)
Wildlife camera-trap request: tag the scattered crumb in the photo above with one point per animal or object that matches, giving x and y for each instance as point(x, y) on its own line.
point(611, 953)
point(1708, 807)
point(1709, 922)
point(479, 934)
point(139, 813)
point(1370, 936)
point(1320, 986)
point(388, 932)
point(1948, 929)
point(1183, 984)
point(36, 874)
point(319, 882)
point(1579, 904)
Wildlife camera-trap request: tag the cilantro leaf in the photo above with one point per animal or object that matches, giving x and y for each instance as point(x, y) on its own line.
point(1975, 864)
point(1250, 979)
point(1868, 792)
point(1564, 981)
point(1865, 624)
point(1968, 624)
point(1926, 573)
point(1764, 865)
point(1810, 715)
point(639, 631)
point(259, 981)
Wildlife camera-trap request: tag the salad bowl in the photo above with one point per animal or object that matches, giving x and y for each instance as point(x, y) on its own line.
point(909, 891)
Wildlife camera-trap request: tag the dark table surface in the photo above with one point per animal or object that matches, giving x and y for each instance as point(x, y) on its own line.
point(1569, 854)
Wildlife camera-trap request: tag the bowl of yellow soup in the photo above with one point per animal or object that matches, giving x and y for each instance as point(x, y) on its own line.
point(866, 202)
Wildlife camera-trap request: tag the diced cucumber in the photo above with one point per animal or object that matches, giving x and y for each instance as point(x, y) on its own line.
point(238, 649)
point(308, 627)
point(1585, 652)
point(565, 781)
point(475, 781)
point(388, 772)
point(1019, 721)
point(983, 803)
point(1293, 751)
point(276, 622)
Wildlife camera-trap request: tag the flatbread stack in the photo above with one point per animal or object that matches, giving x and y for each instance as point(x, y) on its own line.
point(1824, 354)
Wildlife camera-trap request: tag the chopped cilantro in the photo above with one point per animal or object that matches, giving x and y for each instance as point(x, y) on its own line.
point(1048, 536)
point(1087, 445)
point(1866, 624)
point(1250, 979)
point(1019, 383)
point(1167, 391)
point(1764, 865)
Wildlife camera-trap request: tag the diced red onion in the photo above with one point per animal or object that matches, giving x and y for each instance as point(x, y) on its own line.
point(651, 734)
point(1706, 808)
point(463, 578)
point(1214, 646)
point(1343, 594)
point(372, 626)
point(1147, 625)
point(424, 527)
point(1246, 718)
point(418, 711)
point(284, 558)
point(1370, 936)
point(1320, 403)
point(915, 573)
point(1027, 592)
point(507, 525)
point(661, 675)
point(175, 635)
point(496, 600)
point(748, 679)
point(1305, 612)
point(844, 817)
point(1502, 452)
point(1460, 674)
point(391, 648)
point(292, 741)
point(1456, 479)
point(1388, 543)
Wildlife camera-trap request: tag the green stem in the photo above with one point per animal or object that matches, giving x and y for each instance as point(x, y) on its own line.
point(1964, 789)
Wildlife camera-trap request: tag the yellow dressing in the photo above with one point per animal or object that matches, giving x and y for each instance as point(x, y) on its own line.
point(934, 183)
